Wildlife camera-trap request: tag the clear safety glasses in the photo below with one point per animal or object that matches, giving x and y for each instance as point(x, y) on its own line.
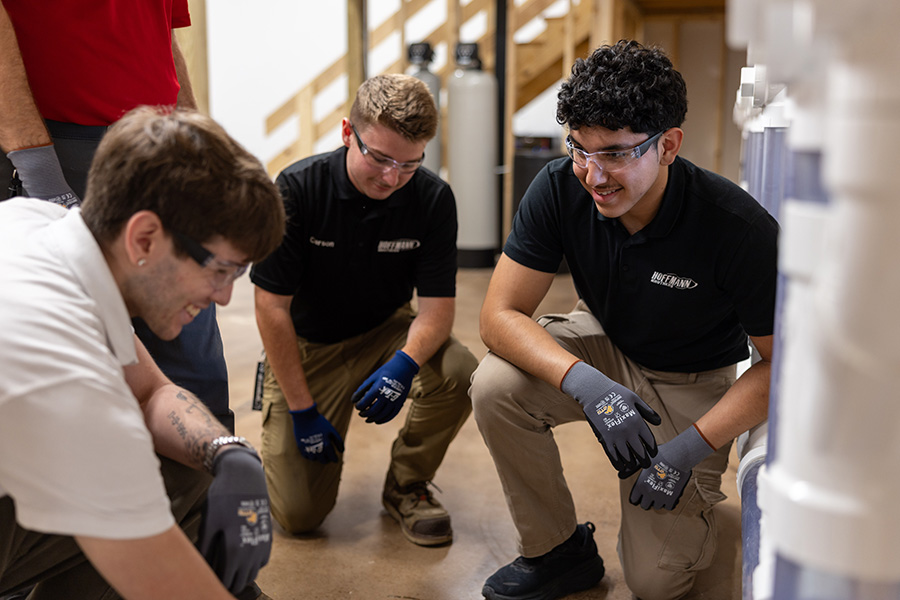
point(385, 162)
point(222, 272)
point(609, 160)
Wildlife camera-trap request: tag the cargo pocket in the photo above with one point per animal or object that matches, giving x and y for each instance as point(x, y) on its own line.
point(691, 542)
point(266, 412)
point(545, 320)
point(265, 435)
point(269, 401)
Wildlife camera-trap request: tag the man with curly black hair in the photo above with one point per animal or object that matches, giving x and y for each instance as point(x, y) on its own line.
point(675, 267)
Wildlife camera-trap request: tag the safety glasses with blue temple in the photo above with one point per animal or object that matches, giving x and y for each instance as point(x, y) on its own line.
point(222, 272)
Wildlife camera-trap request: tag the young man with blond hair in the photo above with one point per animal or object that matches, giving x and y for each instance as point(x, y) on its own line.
point(367, 226)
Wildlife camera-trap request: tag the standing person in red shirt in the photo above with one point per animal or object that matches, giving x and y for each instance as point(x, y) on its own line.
point(69, 70)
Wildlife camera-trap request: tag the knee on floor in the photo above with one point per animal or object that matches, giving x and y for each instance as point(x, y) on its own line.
point(297, 520)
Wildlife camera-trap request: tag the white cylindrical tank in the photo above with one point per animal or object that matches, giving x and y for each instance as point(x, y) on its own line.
point(472, 157)
point(420, 56)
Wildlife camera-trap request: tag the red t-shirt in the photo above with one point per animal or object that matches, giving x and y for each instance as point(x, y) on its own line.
point(91, 61)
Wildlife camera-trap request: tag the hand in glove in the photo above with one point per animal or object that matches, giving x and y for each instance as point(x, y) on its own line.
point(382, 395)
point(316, 438)
point(661, 485)
point(236, 533)
point(42, 176)
point(616, 414)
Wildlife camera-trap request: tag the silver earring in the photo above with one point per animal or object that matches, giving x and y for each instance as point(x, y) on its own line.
point(142, 262)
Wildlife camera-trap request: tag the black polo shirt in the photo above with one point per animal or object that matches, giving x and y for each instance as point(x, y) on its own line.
point(683, 293)
point(349, 261)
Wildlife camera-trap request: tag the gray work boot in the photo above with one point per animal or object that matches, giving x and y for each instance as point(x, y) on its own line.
point(422, 518)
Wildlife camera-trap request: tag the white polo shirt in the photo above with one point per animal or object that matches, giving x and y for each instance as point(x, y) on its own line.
point(75, 454)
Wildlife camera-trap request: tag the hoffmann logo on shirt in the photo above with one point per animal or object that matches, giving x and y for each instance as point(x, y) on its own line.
point(390, 246)
point(402, 245)
point(671, 280)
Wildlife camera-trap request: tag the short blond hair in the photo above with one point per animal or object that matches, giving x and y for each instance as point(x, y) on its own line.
point(400, 102)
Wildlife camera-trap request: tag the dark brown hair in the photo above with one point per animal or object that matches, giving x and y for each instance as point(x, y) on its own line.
point(184, 167)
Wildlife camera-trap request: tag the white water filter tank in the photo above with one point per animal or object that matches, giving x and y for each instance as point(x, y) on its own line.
point(420, 56)
point(472, 158)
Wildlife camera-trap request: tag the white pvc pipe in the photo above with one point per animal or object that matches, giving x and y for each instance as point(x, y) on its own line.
point(830, 494)
point(751, 449)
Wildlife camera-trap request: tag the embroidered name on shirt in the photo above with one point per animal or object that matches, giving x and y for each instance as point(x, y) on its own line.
point(321, 243)
point(673, 281)
point(398, 245)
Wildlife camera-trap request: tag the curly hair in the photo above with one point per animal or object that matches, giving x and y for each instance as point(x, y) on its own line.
point(625, 85)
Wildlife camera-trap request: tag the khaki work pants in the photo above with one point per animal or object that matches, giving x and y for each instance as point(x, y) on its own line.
point(303, 492)
point(56, 564)
point(660, 550)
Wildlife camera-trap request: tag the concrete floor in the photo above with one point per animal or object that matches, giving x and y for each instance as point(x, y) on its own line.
point(359, 551)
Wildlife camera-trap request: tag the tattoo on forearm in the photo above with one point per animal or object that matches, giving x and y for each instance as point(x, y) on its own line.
point(197, 426)
point(194, 405)
point(179, 426)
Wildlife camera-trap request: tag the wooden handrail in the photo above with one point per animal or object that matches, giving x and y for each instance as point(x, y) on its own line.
point(529, 10)
point(301, 103)
point(321, 81)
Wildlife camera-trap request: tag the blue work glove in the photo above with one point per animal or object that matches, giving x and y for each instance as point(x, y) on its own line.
point(42, 176)
point(616, 414)
point(236, 532)
point(382, 395)
point(316, 438)
point(661, 485)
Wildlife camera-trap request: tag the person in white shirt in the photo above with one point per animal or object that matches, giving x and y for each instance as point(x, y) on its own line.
point(102, 485)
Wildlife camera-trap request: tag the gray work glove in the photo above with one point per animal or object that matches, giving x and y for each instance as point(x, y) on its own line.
point(660, 486)
point(616, 414)
point(236, 533)
point(42, 176)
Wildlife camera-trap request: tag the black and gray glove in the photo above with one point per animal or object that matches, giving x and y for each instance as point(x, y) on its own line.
point(616, 414)
point(41, 174)
point(236, 533)
point(661, 485)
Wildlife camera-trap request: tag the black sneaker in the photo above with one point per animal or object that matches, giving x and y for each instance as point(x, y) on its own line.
point(572, 566)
